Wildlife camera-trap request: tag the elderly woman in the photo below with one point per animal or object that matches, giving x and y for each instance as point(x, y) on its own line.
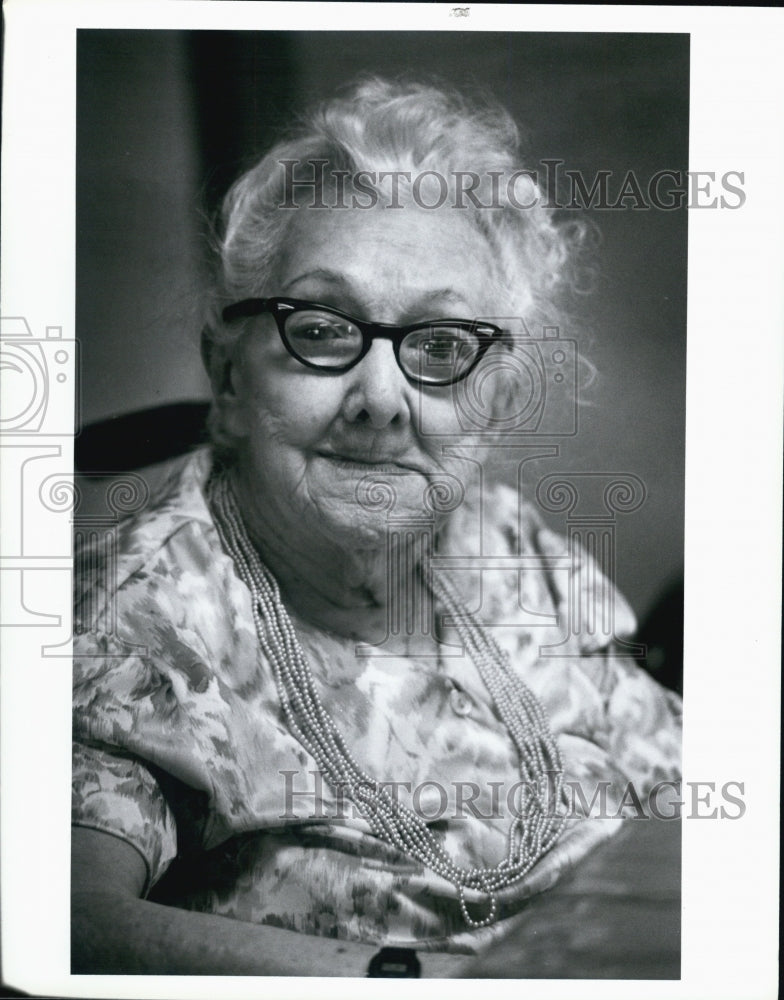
point(323, 722)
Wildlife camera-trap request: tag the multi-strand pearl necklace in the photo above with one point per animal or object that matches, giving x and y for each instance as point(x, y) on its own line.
point(537, 824)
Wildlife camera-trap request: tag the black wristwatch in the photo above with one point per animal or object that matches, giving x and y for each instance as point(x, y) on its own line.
point(398, 963)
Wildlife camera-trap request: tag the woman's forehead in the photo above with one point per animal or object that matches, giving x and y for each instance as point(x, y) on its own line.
point(410, 255)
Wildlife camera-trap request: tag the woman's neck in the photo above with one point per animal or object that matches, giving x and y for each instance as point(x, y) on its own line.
point(349, 590)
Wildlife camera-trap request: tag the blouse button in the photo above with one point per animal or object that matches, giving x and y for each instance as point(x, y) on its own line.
point(460, 702)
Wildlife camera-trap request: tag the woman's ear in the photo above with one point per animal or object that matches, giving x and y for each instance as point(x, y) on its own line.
point(219, 361)
point(212, 361)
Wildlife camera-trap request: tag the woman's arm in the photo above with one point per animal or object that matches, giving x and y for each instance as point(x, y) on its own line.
point(113, 930)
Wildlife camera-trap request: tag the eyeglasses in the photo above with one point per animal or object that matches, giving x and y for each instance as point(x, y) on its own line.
point(437, 352)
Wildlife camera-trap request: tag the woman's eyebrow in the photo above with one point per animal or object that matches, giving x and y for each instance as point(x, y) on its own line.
point(446, 295)
point(422, 303)
point(333, 283)
point(322, 274)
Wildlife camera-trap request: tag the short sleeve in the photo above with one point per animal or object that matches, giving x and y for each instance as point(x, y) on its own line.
point(641, 721)
point(116, 794)
point(644, 721)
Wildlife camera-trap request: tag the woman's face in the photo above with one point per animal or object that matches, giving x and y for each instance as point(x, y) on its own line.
point(308, 439)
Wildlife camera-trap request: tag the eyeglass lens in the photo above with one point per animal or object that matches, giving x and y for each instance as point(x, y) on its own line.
point(434, 353)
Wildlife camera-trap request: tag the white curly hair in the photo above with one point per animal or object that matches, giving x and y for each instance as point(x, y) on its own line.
point(379, 126)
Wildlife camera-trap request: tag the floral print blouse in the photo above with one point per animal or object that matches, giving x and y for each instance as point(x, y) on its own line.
point(181, 746)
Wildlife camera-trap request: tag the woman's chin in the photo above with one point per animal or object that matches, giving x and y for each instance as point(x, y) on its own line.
point(350, 527)
point(366, 504)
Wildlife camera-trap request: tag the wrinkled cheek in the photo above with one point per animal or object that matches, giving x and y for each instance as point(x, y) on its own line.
point(273, 455)
point(303, 416)
point(287, 425)
point(449, 420)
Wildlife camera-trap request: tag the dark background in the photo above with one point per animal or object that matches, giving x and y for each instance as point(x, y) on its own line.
point(166, 120)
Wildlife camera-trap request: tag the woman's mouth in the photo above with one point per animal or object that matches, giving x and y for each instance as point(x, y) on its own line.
point(366, 464)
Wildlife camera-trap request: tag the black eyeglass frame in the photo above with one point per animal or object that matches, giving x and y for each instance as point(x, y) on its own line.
point(280, 308)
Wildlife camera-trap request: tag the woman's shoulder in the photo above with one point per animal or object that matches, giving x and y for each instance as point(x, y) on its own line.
point(162, 609)
point(170, 538)
point(531, 564)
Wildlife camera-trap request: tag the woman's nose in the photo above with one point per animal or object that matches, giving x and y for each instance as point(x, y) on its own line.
point(378, 393)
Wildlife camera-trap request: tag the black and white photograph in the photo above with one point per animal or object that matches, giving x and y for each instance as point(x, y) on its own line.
point(365, 452)
point(388, 698)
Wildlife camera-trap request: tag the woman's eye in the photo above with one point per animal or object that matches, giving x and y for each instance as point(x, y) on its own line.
point(439, 349)
point(318, 330)
point(319, 333)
